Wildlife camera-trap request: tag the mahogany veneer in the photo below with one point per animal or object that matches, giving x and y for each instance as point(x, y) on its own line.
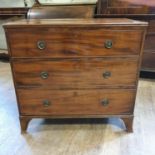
point(75, 67)
point(62, 11)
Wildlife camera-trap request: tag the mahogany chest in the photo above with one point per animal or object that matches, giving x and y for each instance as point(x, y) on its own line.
point(75, 68)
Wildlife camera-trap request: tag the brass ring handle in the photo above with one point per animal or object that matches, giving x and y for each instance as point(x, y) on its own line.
point(46, 103)
point(41, 44)
point(108, 44)
point(44, 75)
point(107, 74)
point(105, 102)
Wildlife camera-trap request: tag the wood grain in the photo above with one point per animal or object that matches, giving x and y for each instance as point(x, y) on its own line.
point(76, 73)
point(75, 102)
point(81, 22)
point(66, 11)
point(73, 42)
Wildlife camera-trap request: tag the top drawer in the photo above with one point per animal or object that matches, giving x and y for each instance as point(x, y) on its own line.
point(73, 42)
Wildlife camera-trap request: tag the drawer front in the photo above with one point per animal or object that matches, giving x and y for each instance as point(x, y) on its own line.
point(75, 102)
point(74, 42)
point(76, 73)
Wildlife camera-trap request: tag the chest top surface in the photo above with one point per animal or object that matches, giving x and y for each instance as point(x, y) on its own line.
point(75, 22)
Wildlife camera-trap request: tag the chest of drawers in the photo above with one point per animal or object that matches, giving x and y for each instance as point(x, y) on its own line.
point(75, 68)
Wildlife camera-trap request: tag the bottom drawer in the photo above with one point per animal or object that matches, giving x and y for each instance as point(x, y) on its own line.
point(75, 102)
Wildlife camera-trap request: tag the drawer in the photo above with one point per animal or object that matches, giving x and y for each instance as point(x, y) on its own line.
point(74, 42)
point(75, 102)
point(76, 73)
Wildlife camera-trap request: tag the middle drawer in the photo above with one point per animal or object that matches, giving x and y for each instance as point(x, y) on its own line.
point(75, 73)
